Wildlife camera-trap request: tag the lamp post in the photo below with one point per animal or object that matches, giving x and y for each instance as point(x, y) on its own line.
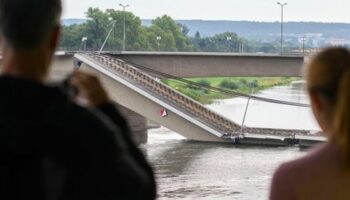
point(303, 40)
point(124, 35)
point(228, 39)
point(83, 43)
point(158, 38)
point(282, 6)
point(241, 46)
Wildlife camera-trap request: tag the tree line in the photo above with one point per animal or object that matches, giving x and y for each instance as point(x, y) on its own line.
point(164, 34)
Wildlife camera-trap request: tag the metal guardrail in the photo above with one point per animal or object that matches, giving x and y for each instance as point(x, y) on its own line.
point(195, 109)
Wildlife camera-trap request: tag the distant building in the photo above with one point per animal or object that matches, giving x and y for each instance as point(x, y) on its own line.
point(337, 42)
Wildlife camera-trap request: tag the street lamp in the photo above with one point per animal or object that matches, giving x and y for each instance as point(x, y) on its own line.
point(228, 39)
point(124, 35)
point(303, 40)
point(158, 38)
point(83, 43)
point(282, 6)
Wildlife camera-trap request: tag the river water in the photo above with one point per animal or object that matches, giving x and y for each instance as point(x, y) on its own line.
point(194, 170)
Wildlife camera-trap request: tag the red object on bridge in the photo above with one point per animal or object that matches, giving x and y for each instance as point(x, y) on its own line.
point(163, 112)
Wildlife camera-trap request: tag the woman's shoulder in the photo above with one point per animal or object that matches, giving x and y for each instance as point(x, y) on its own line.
point(306, 173)
point(291, 177)
point(317, 158)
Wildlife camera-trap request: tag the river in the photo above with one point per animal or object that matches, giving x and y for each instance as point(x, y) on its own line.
point(194, 170)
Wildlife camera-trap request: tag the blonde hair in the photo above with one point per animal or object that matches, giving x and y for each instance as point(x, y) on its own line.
point(329, 75)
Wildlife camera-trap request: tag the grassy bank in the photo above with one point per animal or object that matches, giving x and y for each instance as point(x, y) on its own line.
point(239, 84)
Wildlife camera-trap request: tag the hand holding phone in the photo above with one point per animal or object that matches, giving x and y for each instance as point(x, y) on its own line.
point(89, 90)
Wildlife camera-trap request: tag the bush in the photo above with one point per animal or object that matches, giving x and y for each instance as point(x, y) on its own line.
point(253, 84)
point(193, 93)
point(229, 85)
point(243, 81)
point(203, 88)
point(205, 84)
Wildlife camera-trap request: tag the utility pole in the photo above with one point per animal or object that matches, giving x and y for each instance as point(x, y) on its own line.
point(282, 6)
point(124, 34)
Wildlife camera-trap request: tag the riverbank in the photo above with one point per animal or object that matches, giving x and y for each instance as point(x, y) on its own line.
point(239, 84)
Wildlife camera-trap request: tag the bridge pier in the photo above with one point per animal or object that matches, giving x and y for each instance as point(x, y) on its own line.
point(137, 123)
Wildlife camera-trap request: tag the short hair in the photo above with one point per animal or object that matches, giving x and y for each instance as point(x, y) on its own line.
point(26, 23)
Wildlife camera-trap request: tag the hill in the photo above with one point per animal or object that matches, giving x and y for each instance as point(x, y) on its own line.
point(256, 29)
point(68, 22)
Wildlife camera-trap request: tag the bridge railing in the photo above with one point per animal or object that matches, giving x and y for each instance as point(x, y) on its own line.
point(156, 87)
point(197, 110)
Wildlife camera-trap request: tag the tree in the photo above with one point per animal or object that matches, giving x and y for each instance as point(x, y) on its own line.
point(197, 36)
point(96, 27)
point(165, 34)
point(160, 40)
point(228, 42)
point(184, 29)
point(268, 47)
point(168, 25)
point(133, 28)
point(224, 42)
point(72, 36)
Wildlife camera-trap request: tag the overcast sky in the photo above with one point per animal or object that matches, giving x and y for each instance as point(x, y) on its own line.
point(256, 10)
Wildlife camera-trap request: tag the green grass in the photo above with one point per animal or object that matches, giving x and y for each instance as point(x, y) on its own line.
point(238, 84)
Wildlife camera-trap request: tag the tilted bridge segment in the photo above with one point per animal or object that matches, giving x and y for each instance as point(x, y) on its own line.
point(146, 95)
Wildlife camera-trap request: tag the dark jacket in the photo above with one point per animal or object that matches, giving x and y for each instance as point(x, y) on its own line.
point(51, 148)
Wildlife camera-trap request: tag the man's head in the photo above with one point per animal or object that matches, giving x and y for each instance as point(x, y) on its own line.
point(25, 24)
point(29, 32)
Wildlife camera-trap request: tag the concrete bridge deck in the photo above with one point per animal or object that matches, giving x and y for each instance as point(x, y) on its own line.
point(145, 95)
point(192, 64)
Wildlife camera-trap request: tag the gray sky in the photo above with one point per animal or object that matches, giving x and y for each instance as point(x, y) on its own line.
point(257, 10)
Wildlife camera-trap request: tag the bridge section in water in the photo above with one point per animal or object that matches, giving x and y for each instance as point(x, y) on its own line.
point(146, 95)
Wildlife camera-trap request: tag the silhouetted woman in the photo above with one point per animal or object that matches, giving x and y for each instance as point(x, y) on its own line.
point(325, 172)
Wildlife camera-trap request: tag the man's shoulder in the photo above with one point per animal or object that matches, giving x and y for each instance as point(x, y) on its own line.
point(74, 115)
point(68, 115)
point(86, 124)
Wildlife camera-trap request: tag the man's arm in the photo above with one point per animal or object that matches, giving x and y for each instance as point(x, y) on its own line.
point(110, 115)
point(102, 165)
point(95, 97)
point(110, 110)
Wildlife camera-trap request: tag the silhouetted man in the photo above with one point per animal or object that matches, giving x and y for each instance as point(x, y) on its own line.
point(51, 148)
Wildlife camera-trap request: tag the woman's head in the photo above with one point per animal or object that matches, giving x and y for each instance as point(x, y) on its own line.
point(328, 83)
